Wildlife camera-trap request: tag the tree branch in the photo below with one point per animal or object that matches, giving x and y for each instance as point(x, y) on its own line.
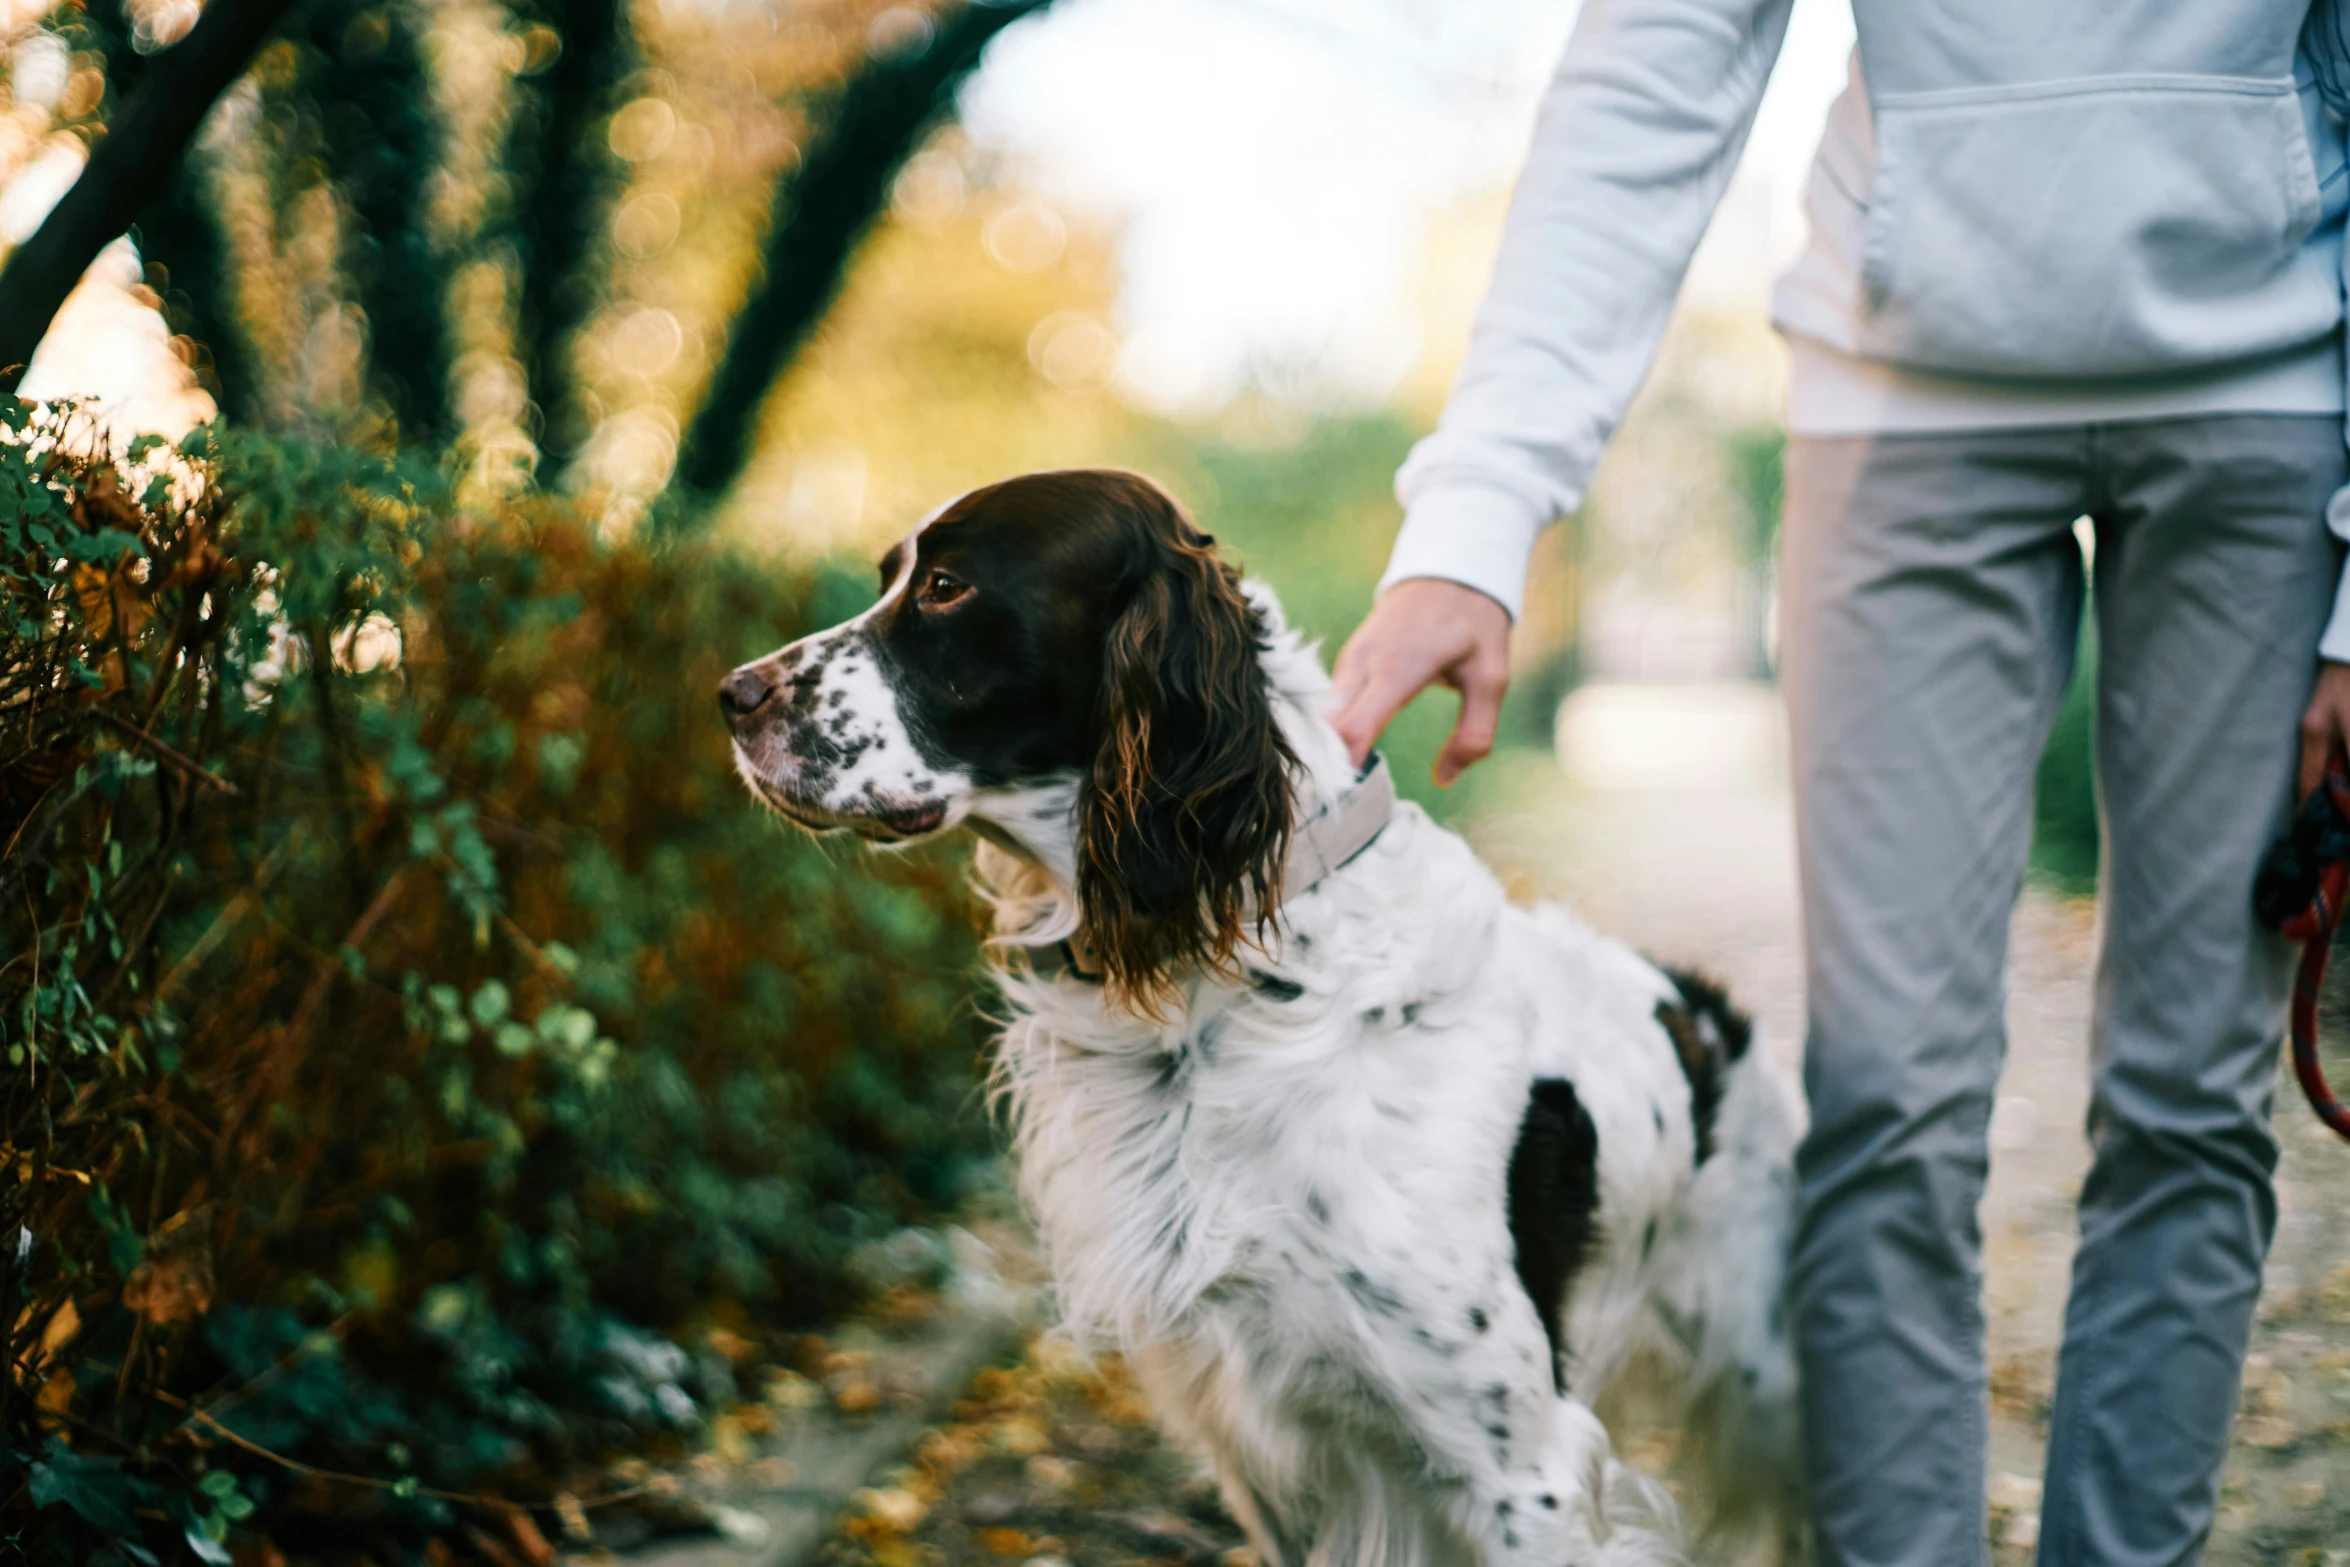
point(129, 168)
point(569, 175)
point(822, 208)
point(385, 141)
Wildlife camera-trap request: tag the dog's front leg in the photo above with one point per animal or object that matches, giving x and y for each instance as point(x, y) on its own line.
point(1535, 1484)
point(1225, 1417)
point(1257, 1520)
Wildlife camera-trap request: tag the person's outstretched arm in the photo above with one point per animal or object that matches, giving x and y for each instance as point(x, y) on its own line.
point(1637, 137)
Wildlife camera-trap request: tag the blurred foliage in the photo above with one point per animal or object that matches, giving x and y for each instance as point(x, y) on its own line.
point(975, 339)
point(2066, 838)
point(823, 210)
point(405, 1020)
point(567, 174)
point(530, 232)
point(1312, 514)
point(413, 1037)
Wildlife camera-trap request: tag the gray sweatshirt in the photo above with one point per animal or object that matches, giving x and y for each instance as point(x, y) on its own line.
point(2022, 212)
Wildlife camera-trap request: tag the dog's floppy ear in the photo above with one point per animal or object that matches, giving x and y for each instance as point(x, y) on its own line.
point(1183, 822)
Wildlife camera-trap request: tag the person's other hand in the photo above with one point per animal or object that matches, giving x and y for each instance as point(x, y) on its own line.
point(1421, 632)
point(2324, 725)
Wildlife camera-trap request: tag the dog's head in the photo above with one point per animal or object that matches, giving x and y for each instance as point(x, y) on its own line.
point(1054, 629)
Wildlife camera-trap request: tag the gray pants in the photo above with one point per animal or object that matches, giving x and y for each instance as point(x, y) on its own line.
point(1933, 591)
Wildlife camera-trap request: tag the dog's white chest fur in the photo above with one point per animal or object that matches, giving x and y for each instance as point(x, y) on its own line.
point(1362, 1093)
point(1288, 1204)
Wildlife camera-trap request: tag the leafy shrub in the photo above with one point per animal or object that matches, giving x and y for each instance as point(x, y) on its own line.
point(2066, 838)
point(406, 1018)
point(1314, 516)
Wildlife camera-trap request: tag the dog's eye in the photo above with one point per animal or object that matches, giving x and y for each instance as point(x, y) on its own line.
point(940, 590)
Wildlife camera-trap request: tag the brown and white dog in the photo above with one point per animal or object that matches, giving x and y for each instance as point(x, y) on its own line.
point(1378, 1180)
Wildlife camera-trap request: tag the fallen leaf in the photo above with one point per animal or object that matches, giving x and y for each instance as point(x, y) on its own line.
point(264, 1553)
point(730, 1441)
point(2264, 1431)
point(1158, 1527)
point(490, 1549)
point(165, 1289)
point(2014, 1492)
point(527, 1537)
point(1022, 1437)
point(63, 1325)
point(893, 1508)
point(790, 1390)
point(1053, 1474)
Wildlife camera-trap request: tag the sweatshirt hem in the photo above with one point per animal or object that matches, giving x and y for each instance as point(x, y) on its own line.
point(1831, 393)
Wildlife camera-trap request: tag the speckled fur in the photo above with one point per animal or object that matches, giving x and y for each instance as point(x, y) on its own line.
point(1285, 1202)
point(840, 754)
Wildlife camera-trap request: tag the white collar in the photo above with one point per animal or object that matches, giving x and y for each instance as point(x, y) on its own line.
point(1340, 830)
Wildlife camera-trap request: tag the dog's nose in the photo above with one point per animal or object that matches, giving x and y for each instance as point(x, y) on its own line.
point(743, 693)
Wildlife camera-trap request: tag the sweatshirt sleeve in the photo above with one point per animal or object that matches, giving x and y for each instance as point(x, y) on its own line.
point(2334, 646)
point(2325, 50)
point(1637, 137)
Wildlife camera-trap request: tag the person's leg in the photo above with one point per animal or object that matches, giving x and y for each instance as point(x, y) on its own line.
point(1931, 590)
point(2214, 577)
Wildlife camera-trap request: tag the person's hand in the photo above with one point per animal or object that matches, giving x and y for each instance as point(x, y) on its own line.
point(1421, 632)
point(2325, 724)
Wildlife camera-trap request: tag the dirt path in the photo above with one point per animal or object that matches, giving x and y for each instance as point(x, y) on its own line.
point(1055, 1464)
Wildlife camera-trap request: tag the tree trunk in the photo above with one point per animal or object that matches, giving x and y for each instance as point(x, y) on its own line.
point(822, 208)
point(128, 169)
point(568, 174)
point(384, 140)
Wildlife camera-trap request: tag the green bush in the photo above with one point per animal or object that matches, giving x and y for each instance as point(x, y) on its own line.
point(407, 1018)
point(1315, 517)
point(2065, 834)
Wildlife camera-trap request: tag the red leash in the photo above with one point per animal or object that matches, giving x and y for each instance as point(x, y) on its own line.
point(2314, 927)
